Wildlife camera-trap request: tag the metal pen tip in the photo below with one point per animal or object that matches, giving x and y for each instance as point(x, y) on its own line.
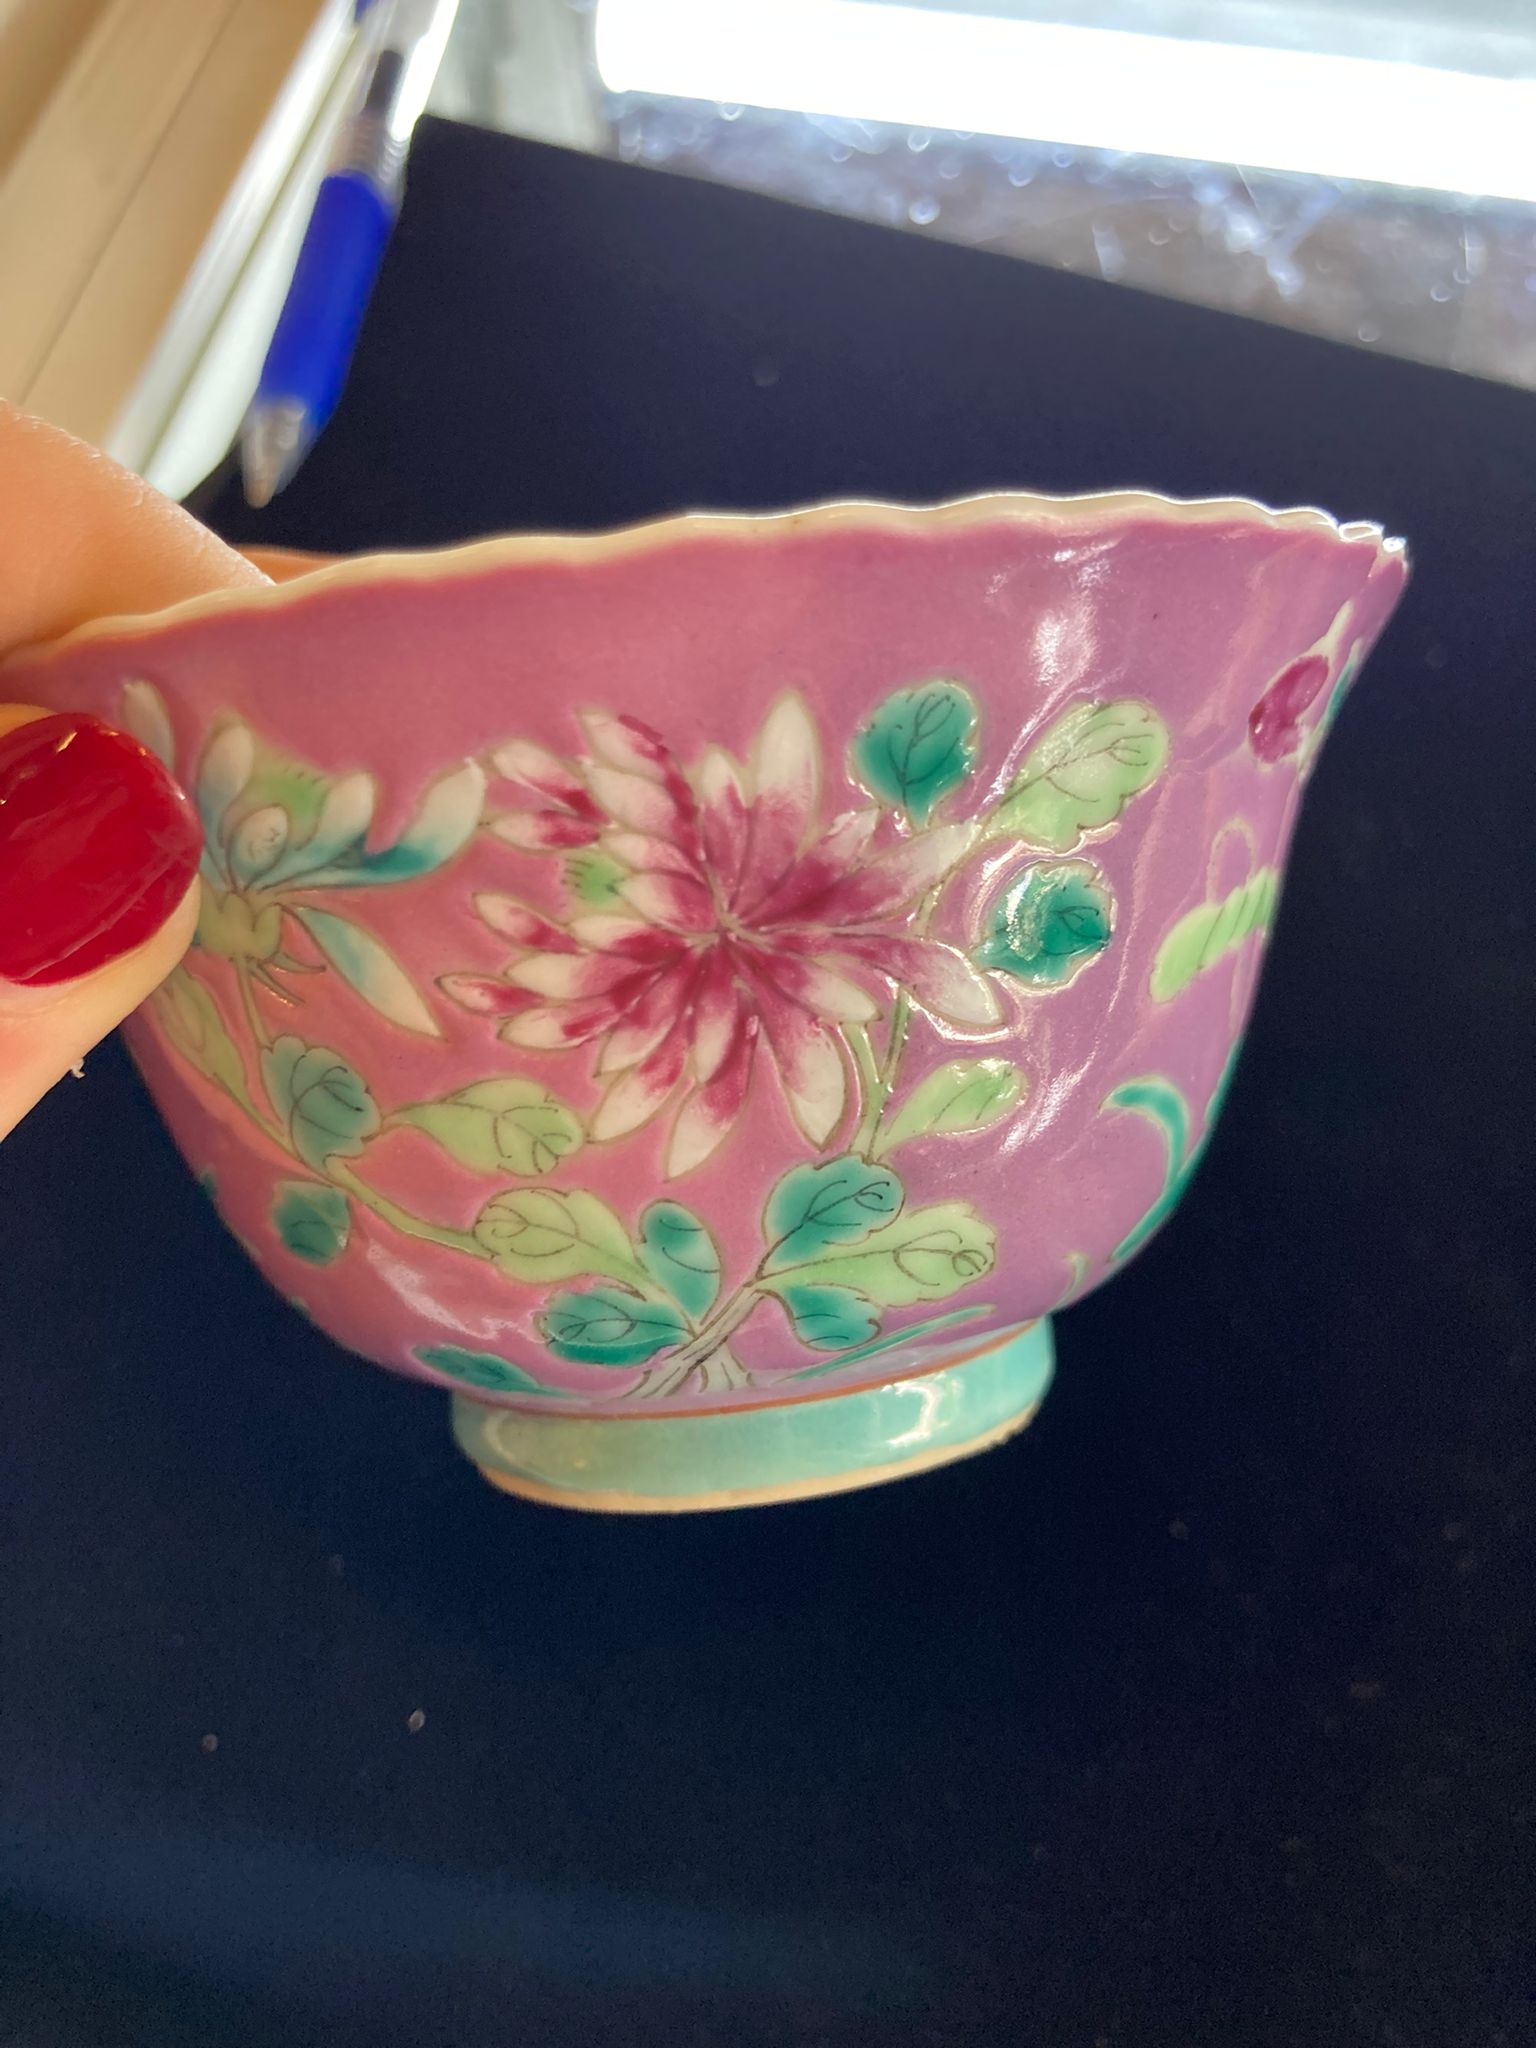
point(273, 442)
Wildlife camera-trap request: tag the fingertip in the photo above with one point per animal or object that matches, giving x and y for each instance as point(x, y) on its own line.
point(98, 846)
point(12, 715)
point(47, 1030)
point(87, 539)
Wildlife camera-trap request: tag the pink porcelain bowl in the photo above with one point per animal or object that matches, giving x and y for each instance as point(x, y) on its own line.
point(707, 995)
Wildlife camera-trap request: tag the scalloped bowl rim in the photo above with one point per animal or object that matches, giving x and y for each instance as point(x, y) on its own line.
point(1074, 513)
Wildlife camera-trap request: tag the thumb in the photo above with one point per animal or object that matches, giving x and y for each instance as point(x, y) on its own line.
point(98, 896)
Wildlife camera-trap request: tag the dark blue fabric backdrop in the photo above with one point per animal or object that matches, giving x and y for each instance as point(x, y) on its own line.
point(1193, 1716)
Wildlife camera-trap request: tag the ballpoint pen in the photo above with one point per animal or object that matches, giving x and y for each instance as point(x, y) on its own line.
point(355, 208)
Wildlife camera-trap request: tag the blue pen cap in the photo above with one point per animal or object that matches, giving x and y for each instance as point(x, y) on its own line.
point(337, 265)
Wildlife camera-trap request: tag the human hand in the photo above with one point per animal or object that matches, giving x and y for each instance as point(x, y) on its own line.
point(98, 847)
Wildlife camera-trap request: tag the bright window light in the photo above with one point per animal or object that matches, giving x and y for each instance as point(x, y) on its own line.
point(1089, 88)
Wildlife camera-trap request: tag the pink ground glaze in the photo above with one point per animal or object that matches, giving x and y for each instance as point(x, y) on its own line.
point(697, 635)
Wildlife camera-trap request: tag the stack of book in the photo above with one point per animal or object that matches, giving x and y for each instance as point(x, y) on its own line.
point(157, 162)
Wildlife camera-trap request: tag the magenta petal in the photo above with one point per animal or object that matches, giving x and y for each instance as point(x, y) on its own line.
point(937, 976)
point(708, 1114)
point(538, 769)
point(847, 838)
point(572, 977)
point(485, 995)
point(811, 879)
point(895, 880)
point(773, 847)
point(634, 802)
point(655, 1011)
point(544, 831)
point(628, 752)
point(627, 938)
point(1274, 724)
point(672, 900)
point(807, 1056)
point(552, 1027)
point(630, 746)
point(785, 784)
point(647, 854)
point(637, 1094)
point(724, 821)
point(515, 921)
point(719, 1014)
point(816, 986)
point(626, 743)
point(686, 809)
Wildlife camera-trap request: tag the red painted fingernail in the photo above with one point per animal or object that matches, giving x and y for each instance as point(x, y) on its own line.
point(97, 847)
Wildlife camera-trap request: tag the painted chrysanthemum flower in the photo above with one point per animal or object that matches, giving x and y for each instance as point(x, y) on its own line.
point(737, 925)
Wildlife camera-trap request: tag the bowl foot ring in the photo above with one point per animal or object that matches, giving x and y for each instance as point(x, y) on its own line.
point(753, 1457)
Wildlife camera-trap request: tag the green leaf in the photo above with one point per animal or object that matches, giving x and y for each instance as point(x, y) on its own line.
point(444, 821)
point(1049, 925)
point(328, 823)
point(485, 1370)
point(1324, 726)
point(680, 1255)
point(829, 1318)
point(190, 1019)
point(503, 1126)
point(925, 1255)
point(323, 1103)
point(370, 968)
point(294, 788)
point(1162, 1105)
point(594, 879)
point(314, 1223)
point(1207, 934)
point(1081, 775)
point(610, 1326)
point(914, 1333)
point(962, 1095)
point(541, 1237)
point(918, 747)
point(836, 1203)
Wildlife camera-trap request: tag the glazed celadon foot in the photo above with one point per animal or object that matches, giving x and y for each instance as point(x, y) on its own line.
point(754, 1457)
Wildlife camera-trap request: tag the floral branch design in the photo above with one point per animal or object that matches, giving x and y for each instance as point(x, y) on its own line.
point(724, 919)
point(724, 923)
point(275, 835)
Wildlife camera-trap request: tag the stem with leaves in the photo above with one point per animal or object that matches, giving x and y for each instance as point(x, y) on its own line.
point(877, 1093)
point(707, 1355)
point(402, 1219)
point(253, 1016)
point(718, 1328)
point(877, 1081)
point(719, 1372)
point(333, 1169)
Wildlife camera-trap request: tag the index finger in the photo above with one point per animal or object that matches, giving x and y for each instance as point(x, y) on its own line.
point(82, 538)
